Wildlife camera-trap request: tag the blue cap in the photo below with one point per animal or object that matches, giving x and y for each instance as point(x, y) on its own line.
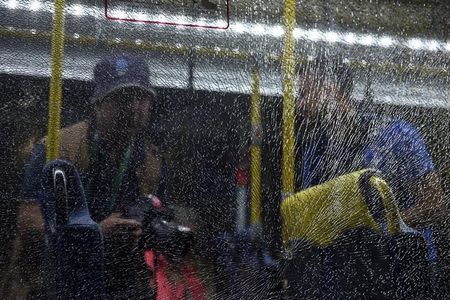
point(122, 71)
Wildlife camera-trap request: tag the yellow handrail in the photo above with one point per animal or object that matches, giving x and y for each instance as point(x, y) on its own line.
point(288, 65)
point(255, 167)
point(55, 98)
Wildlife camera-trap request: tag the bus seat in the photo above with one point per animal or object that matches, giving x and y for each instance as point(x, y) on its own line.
point(75, 243)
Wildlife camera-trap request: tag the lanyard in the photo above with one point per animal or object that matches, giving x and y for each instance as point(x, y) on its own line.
point(118, 178)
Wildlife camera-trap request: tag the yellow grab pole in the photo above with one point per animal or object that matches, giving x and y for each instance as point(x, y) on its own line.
point(288, 66)
point(255, 167)
point(54, 105)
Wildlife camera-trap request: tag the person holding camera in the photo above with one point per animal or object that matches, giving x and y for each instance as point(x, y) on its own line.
point(118, 166)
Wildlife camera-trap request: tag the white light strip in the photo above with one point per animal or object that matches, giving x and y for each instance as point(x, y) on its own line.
point(349, 38)
point(385, 41)
point(415, 44)
point(366, 39)
point(35, 5)
point(447, 46)
point(12, 4)
point(276, 31)
point(331, 36)
point(316, 35)
point(79, 10)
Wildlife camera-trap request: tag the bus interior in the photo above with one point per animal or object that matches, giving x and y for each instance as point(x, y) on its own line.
point(302, 149)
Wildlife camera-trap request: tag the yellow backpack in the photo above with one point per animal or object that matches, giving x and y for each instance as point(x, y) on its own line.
point(320, 214)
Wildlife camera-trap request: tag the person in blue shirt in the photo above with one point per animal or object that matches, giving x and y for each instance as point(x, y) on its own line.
point(334, 139)
point(118, 166)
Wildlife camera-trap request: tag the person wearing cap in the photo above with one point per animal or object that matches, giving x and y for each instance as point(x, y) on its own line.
point(117, 164)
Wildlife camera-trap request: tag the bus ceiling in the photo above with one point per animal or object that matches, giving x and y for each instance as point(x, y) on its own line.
point(403, 51)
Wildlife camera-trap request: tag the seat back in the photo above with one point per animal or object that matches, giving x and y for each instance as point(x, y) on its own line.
point(344, 240)
point(75, 243)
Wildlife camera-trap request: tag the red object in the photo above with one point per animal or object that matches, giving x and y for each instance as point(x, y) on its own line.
point(242, 177)
point(156, 202)
point(166, 290)
point(243, 167)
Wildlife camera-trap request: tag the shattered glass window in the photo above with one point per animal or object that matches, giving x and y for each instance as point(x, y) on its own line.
point(216, 149)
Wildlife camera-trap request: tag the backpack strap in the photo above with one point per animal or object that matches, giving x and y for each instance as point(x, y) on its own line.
point(149, 172)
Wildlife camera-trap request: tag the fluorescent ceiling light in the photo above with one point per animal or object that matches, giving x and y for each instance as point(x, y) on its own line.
point(367, 40)
point(385, 41)
point(275, 30)
point(415, 44)
point(12, 4)
point(447, 46)
point(219, 23)
point(331, 36)
point(299, 33)
point(77, 10)
point(258, 29)
point(238, 27)
point(35, 5)
point(313, 35)
point(350, 38)
point(140, 16)
point(432, 45)
point(119, 14)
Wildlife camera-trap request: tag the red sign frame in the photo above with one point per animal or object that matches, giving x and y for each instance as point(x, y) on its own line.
point(193, 25)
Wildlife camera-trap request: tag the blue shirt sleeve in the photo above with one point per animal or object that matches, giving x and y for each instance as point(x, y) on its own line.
point(32, 179)
point(313, 164)
point(400, 153)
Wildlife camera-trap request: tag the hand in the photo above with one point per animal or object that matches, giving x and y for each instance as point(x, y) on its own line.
point(115, 224)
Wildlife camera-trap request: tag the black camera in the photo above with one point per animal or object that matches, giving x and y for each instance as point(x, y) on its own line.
point(164, 236)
